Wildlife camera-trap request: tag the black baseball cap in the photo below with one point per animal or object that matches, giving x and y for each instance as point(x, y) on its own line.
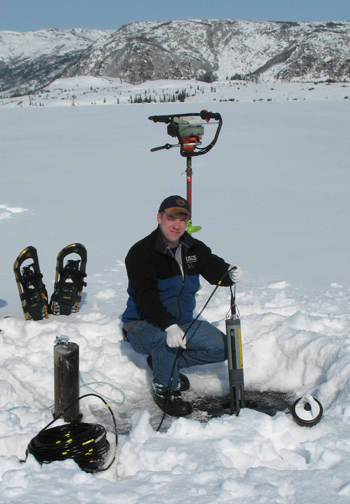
point(175, 204)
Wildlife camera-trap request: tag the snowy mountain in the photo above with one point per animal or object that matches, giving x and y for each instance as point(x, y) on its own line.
point(202, 49)
point(191, 49)
point(33, 59)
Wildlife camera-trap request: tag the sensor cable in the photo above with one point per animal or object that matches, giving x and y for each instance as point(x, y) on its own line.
point(85, 443)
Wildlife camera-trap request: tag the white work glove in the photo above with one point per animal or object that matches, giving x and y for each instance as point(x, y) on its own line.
point(235, 273)
point(174, 337)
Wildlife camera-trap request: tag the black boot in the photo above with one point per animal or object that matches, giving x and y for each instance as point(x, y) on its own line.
point(184, 381)
point(172, 403)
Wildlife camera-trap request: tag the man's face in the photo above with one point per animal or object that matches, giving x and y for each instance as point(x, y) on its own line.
point(172, 227)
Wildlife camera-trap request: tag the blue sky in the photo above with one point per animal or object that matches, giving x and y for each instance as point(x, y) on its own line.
point(25, 15)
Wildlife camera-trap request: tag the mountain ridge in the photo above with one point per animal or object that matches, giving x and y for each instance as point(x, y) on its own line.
point(199, 49)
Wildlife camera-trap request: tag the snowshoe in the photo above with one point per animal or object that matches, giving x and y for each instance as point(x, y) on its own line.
point(31, 288)
point(69, 280)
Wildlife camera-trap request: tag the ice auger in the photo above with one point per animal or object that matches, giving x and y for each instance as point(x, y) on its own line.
point(189, 130)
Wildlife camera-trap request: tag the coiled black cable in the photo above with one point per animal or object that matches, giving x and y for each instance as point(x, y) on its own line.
point(85, 443)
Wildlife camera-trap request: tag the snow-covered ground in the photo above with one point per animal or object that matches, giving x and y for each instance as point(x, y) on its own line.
point(107, 91)
point(273, 196)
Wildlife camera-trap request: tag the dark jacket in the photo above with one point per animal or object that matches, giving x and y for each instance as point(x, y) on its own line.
point(158, 291)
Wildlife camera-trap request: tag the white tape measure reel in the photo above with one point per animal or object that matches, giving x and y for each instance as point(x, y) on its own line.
point(307, 411)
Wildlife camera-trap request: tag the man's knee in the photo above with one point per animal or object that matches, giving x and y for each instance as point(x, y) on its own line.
point(151, 333)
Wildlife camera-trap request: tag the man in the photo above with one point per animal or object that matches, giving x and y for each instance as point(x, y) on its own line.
point(163, 271)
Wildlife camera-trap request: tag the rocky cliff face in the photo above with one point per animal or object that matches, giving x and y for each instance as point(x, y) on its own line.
point(190, 49)
point(32, 60)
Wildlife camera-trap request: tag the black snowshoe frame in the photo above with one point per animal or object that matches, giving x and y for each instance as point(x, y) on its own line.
point(69, 280)
point(31, 288)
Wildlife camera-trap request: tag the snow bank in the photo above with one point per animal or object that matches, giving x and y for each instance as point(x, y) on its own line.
point(277, 204)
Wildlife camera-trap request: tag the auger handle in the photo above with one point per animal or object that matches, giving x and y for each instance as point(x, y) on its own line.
point(161, 118)
point(166, 146)
point(205, 115)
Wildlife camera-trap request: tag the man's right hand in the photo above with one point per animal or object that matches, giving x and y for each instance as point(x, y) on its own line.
point(174, 337)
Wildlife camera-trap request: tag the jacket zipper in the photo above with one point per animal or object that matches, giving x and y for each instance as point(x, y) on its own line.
point(183, 284)
point(178, 299)
point(182, 287)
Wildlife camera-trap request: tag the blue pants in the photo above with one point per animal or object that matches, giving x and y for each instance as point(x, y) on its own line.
point(205, 345)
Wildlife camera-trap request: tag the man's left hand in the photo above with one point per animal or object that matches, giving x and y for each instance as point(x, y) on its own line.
point(235, 272)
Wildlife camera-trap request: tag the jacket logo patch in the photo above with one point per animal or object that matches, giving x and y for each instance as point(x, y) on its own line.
point(190, 260)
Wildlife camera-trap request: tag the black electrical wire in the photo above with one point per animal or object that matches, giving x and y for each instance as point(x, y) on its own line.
point(85, 443)
point(179, 351)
